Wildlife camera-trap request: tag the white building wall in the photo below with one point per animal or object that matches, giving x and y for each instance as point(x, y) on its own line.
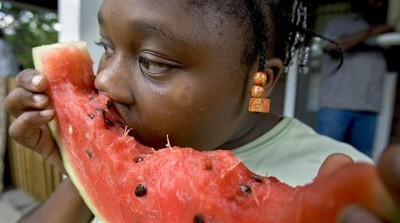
point(78, 19)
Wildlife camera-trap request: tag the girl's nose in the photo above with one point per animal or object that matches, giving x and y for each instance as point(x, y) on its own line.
point(112, 81)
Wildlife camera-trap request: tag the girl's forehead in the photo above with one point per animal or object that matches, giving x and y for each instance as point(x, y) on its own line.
point(152, 7)
point(165, 17)
point(180, 11)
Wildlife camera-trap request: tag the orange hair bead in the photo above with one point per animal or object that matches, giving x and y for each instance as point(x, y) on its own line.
point(259, 105)
point(260, 78)
point(257, 91)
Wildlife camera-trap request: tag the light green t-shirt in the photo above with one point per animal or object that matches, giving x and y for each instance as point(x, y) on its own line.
point(293, 152)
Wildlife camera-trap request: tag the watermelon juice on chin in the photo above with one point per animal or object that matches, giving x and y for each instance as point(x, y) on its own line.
point(123, 181)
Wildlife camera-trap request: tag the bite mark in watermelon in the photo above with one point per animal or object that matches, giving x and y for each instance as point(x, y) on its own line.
point(124, 181)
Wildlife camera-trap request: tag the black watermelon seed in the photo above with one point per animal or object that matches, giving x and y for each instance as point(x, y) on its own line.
point(109, 104)
point(108, 122)
point(91, 99)
point(92, 116)
point(198, 219)
point(208, 167)
point(141, 190)
point(246, 189)
point(90, 154)
point(102, 111)
point(139, 159)
point(258, 179)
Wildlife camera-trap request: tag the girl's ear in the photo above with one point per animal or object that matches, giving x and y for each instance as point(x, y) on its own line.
point(274, 69)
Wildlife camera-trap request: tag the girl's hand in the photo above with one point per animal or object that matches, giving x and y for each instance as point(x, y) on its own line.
point(389, 171)
point(29, 104)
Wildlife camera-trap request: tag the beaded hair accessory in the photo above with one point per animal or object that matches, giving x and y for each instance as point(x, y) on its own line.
point(257, 101)
point(299, 39)
point(297, 47)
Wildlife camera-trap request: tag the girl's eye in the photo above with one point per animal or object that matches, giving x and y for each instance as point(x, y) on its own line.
point(154, 68)
point(108, 51)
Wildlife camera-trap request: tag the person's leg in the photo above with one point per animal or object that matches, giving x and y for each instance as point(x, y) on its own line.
point(333, 123)
point(363, 132)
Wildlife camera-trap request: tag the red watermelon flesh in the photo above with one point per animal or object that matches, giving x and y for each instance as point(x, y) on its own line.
point(124, 181)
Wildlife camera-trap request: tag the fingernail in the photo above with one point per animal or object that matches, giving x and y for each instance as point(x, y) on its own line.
point(39, 98)
point(37, 79)
point(47, 113)
point(357, 214)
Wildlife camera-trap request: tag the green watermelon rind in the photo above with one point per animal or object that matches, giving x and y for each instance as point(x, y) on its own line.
point(37, 54)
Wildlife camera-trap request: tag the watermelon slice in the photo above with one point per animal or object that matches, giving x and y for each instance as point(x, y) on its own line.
point(124, 181)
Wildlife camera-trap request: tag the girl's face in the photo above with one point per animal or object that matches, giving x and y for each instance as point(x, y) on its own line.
point(174, 73)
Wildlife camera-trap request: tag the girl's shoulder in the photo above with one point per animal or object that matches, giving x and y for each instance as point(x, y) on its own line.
point(293, 152)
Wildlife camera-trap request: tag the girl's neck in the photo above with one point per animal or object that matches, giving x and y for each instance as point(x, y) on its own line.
point(259, 125)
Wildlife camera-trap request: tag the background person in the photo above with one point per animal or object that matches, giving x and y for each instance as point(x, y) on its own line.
point(350, 96)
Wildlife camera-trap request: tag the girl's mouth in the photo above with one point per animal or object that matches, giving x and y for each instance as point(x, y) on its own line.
point(124, 111)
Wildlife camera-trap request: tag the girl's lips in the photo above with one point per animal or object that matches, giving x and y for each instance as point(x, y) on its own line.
point(123, 110)
point(126, 112)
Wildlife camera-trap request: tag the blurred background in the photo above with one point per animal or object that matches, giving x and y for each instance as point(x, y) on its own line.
point(26, 179)
point(25, 26)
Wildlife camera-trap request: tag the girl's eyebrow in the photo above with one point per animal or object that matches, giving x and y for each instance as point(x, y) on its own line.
point(159, 30)
point(162, 31)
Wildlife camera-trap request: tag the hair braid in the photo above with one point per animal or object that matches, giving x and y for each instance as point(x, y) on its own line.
point(259, 31)
point(272, 28)
point(297, 19)
point(288, 33)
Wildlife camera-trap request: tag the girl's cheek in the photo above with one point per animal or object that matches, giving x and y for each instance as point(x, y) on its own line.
point(183, 96)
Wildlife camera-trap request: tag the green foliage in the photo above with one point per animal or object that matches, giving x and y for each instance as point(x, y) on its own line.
point(26, 28)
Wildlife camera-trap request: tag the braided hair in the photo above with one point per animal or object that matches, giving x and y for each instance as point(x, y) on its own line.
point(274, 28)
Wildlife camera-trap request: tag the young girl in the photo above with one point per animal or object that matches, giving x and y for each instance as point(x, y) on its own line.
point(187, 69)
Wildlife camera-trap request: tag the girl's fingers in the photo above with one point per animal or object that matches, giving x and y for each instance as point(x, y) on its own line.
point(333, 163)
point(357, 214)
point(19, 100)
point(389, 170)
point(31, 80)
point(31, 130)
